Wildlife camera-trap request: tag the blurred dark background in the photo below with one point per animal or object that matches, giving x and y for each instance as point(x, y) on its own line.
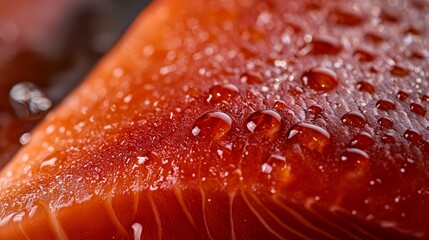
point(46, 48)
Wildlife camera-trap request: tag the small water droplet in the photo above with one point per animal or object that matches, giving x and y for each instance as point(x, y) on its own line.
point(417, 109)
point(363, 56)
point(403, 96)
point(385, 105)
point(213, 125)
point(25, 138)
point(374, 38)
point(365, 87)
point(354, 155)
point(278, 167)
point(385, 122)
point(268, 122)
point(413, 31)
point(48, 163)
point(223, 92)
point(320, 79)
point(354, 119)
point(280, 105)
point(345, 18)
point(324, 47)
point(310, 136)
point(399, 71)
point(413, 136)
point(362, 141)
point(388, 17)
point(315, 109)
point(137, 229)
point(387, 138)
point(252, 78)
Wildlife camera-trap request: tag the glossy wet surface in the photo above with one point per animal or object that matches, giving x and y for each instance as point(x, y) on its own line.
point(294, 119)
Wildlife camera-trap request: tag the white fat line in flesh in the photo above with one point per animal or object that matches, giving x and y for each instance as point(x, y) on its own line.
point(156, 214)
point(203, 197)
point(55, 224)
point(260, 218)
point(179, 196)
point(231, 219)
point(285, 226)
point(327, 221)
point(112, 215)
point(23, 231)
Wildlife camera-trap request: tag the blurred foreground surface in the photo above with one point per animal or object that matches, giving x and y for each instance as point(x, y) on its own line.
point(46, 48)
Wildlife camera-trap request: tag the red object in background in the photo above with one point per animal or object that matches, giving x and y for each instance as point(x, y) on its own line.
point(292, 147)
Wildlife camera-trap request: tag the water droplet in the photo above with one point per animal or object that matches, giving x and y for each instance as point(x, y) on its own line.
point(425, 98)
point(320, 79)
point(388, 17)
point(362, 141)
point(48, 163)
point(277, 166)
point(310, 136)
point(252, 78)
point(324, 47)
point(354, 155)
point(387, 138)
point(413, 136)
point(385, 122)
point(399, 71)
point(417, 109)
point(28, 100)
point(213, 125)
point(365, 87)
point(385, 105)
point(315, 109)
point(25, 138)
point(266, 121)
point(346, 18)
point(137, 230)
point(223, 92)
point(354, 119)
point(280, 105)
point(374, 38)
point(413, 31)
point(363, 56)
point(403, 96)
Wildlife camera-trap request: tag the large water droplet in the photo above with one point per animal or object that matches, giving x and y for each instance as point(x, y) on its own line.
point(310, 136)
point(320, 79)
point(362, 141)
point(213, 125)
point(385, 105)
point(417, 109)
point(223, 92)
point(28, 100)
point(354, 119)
point(268, 122)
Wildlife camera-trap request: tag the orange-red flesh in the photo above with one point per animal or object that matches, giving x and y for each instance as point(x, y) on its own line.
point(292, 148)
